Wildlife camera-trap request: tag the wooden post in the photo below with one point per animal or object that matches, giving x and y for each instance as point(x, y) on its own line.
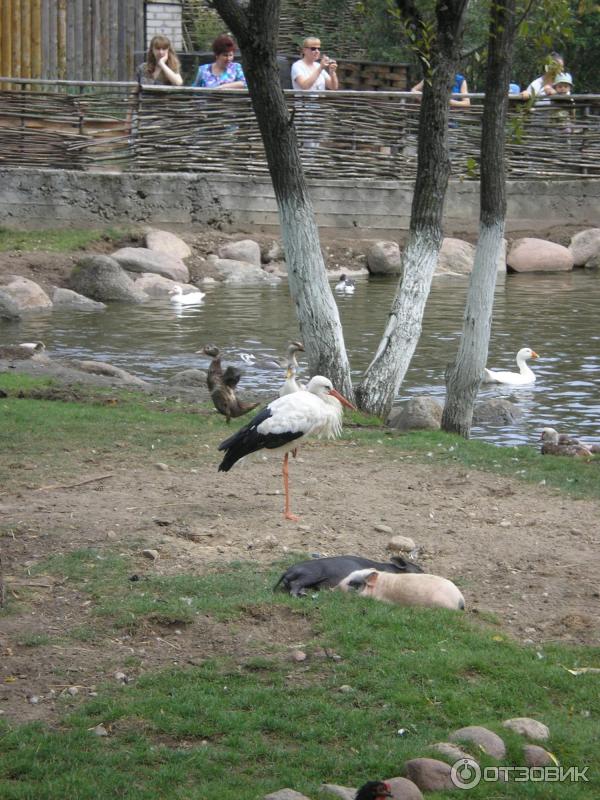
point(25, 38)
point(16, 38)
point(36, 39)
point(6, 39)
point(61, 39)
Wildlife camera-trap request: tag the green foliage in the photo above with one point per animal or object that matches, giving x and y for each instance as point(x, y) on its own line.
point(207, 25)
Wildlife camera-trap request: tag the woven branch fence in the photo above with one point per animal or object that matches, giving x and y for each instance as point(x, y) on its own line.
point(342, 135)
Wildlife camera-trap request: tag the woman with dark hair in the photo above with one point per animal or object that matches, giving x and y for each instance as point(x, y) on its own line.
point(161, 67)
point(223, 73)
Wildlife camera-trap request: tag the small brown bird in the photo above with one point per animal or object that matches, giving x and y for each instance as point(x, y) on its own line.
point(221, 385)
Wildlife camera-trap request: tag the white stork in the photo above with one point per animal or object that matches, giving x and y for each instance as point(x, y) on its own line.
point(280, 426)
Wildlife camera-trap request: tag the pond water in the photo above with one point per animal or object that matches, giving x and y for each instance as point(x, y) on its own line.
point(554, 314)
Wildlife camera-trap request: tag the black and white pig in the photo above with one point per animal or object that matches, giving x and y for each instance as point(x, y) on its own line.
point(326, 573)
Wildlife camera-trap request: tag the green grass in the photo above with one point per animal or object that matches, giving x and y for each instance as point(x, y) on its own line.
point(59, 241)
point(248, 720)
point(239, 727)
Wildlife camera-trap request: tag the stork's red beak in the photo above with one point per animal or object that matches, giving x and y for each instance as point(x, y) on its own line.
point(342, 399)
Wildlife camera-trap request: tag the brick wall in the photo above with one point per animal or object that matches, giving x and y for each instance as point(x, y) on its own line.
point(164, 17)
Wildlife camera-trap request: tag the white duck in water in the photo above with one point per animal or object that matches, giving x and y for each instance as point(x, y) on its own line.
point(525, 374)
point(185, 299)
point(345, 284)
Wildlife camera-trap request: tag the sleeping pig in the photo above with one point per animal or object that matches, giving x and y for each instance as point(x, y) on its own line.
point(405, 590)
point(320, 573)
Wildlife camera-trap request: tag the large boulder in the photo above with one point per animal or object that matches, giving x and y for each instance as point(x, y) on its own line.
point(496, 411)
point(141, 259)
point(66, 298)
point(168, 243)
point(457, 257)
point(537, 255)
point(102, 279)
point(157, 286)
point(243, 250)
point(383, 258)
point(241, 272)
point(403, 789)
point(584, 246)
point(9, 308)
point(418, 414)
point(108, 371)
point(429, 774)
point(486, 740)
point(21, 295)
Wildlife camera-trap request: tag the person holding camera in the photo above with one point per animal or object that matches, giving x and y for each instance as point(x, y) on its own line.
point(314, 71)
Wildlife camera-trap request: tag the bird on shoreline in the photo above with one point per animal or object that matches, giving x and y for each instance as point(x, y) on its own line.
point(555, 444)
point(345, 284)
point(21, 352)
point(523, 376)
point(290, 385)
point(221, 385)
point(284, 423)
point(180, 297)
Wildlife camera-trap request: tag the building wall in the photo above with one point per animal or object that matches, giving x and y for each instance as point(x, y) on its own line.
point(33, 199)
point(165, 18)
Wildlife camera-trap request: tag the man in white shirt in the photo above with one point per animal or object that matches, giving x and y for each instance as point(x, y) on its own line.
point(310, 71)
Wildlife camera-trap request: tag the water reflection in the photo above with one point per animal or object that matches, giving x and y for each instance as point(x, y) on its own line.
point(553, 314)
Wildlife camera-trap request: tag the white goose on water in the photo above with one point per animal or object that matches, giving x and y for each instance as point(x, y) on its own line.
point(525, 374)
point(284, 422)
point(185, 298)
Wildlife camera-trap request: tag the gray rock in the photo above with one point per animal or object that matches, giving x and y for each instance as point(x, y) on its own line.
point(451, 751)
point(141, 259)
point(100, 368)
point(497, 411)
point(102, 279)
point(25, 295)
point(383, 258)
point(155, 285)
point(537, 255)
point(243, 250)
point(401, 544)
point(285, 794)
point(536, 756)
point(272, 251)
point(66, 298)
point(593, 263)
point(418, 414)
point(585, 246)
point(429, 774)
point(527, 727)
point(9, 308)
point(345, 792)
point(456, 256)
point(487, 740)
point(403, 789)
point(242, 272)
point(189, 377)
point(168, 243)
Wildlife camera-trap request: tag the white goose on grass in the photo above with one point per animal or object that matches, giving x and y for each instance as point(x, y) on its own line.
point(523, 376)
point(180, 297)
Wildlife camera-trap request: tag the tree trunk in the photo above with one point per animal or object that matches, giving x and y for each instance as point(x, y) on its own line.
point(384, 375)
point(256, 25)
point(463, 377)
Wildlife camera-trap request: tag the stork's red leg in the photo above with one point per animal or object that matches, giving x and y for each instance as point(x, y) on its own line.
point(287, 513)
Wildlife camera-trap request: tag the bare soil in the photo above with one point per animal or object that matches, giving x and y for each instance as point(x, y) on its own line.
point(527, 554)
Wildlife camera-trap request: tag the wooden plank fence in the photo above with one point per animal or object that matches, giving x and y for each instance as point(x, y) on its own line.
point(346, 134)
point(71, 39)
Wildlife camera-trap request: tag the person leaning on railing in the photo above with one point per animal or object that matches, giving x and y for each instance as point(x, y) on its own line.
point(543, 86)
point(224, 72)
point(161, 67)
point(310, 72)
point(458, 87)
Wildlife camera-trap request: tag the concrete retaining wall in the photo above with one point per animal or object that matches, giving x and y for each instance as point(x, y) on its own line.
point(362, 209)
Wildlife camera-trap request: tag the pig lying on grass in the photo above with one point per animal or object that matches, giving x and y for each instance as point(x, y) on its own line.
point(322, 573)
point(405, 590)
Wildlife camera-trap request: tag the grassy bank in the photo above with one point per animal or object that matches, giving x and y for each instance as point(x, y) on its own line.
point(234, 716)
point(57, 241)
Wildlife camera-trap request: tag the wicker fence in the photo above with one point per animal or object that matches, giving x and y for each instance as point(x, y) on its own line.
point(341, 134)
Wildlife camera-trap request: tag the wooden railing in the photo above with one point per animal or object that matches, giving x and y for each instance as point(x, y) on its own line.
point(344, 135)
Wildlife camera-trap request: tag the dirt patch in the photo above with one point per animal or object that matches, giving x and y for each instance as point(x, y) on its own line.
point(521, 553)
